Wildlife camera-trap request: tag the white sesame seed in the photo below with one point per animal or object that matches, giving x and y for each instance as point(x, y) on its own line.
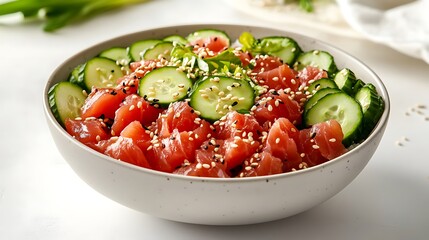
point(332, 140)
point(316, 146)
point(277, 140)
point(199, 166)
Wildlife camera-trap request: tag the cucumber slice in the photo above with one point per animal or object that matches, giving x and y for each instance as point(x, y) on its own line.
point(176, 39)
point(117, 54)
point(346, 80)
point(137, 49)
point(74, 75)
point(358, 85)
point(162, 49)
point(320, 84)
point(316, 58)
point(318, 95)
point(65, 100)
point(372, 107)
point(100, 73)
point(283, 47)
point(208, 33)
point(341, 107)
point(217, 95)
point(164, 85)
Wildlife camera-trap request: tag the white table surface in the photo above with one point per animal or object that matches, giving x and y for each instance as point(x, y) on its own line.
point(42, 198)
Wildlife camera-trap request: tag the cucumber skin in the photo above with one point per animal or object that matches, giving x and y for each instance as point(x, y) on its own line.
point(52, 99)
point(76, 76)
point(371, 116)
point(350, 83)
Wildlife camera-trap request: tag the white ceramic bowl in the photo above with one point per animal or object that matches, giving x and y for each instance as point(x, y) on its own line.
point(207, 200)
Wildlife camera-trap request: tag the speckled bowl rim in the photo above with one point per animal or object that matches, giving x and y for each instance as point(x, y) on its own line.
point(381, 88)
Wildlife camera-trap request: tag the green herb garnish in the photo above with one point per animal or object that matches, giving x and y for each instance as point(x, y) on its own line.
point(58, 13)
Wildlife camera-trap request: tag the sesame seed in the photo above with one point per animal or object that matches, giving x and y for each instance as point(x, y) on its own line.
point(131, 107)
point(302, 155)
point(270, 108)
point(254, 164)
point(205, 165)
point(332, 140)
point(248, 168)
point(316, 146)
point(199, 166)
point(277, 140)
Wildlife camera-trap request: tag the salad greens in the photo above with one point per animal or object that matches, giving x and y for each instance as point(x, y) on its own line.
point(59, 13)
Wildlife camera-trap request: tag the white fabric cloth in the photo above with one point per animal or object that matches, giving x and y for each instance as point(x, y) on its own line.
point(400, 24)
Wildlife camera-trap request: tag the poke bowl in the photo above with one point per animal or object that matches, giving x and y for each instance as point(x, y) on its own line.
point(245, 165)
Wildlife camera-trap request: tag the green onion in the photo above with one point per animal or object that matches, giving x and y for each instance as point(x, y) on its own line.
point(306, 5)
point(59, 13)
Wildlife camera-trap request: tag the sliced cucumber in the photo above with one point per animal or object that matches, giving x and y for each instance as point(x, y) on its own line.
point(65, 100)
point(118, 54)
point(137, 49)
point(318, 95)
point(162, 49)
point(164, 86)
point(176, 39)
point(346, 80)
point(283, 47)
point(74, 75)
point(341, 107)
point(208, 33)
point(316, 58)
point(372, 107)
point(358, 85)
point(99, 72)
point(320, 84)
point(217, 95)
